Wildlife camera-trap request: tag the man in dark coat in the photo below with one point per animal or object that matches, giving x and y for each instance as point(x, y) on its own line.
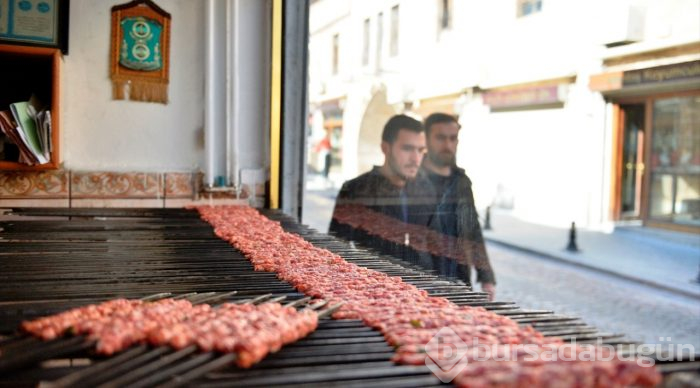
point(456, 212)
point(397, 188)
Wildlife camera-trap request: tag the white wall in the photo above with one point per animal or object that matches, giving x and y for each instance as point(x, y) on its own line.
point(547, 161)
point(327, 19)
point(99, 133)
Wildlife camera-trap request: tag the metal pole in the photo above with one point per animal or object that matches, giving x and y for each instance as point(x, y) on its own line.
point(487, 218)
point(572, 247)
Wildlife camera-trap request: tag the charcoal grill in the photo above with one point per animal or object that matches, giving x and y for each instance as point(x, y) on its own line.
point(58, 259)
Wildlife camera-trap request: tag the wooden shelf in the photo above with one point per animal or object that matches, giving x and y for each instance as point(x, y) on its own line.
point(25, 70)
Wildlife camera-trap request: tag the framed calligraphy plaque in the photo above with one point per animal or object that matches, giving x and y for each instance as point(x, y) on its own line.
point(35, 23)
point(140, 51)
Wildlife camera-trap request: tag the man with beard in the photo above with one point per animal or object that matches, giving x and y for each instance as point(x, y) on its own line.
point(396, 189)
point(456, 212)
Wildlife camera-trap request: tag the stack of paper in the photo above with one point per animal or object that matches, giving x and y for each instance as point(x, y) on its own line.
point(30, 129)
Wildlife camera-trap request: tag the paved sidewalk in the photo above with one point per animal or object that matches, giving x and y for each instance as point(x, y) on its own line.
point(663, 259)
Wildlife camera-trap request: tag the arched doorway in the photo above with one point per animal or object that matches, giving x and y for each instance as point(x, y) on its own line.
point(376, 114)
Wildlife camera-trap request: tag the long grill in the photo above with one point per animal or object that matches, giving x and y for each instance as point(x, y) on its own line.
point(82, 256)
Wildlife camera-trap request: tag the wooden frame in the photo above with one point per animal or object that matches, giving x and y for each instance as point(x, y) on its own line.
point(149, 85)
point(646, 184)
point(618, 145)
point(59, 41)
point(152, 11)
point(618, 120)
point(55, 56)
point(616, 174)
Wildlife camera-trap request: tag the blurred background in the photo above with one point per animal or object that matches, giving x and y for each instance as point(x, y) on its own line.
point(572, 113)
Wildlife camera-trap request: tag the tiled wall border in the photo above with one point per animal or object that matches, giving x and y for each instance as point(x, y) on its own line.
point(98, 188)
point(112, 185)
point(38, 185)
point(67, 188)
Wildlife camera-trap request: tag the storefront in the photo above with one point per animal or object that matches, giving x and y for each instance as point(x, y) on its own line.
point(656, 144)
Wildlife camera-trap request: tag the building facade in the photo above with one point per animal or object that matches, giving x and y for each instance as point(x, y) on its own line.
point(569, 114)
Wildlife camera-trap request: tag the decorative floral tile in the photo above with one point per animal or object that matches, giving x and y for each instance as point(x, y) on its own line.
point(117, 203)
point(101, 185)
point(179, 185)
point(31, 184)
point(111, 185)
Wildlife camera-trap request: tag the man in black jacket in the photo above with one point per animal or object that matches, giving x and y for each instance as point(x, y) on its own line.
point(397, 188)
point(456, 212)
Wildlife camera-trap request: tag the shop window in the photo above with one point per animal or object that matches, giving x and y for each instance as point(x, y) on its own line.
point(675, 161)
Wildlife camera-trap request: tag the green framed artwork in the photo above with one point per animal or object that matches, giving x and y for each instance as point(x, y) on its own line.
point(140, 52)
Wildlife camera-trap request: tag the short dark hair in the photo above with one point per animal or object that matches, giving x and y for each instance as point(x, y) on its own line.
point(397, 123)
point(437, 118)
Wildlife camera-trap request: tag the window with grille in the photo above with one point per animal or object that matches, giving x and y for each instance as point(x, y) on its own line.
point(528, 7)
point(336, 49)
point(394, 41)
point(365, 43)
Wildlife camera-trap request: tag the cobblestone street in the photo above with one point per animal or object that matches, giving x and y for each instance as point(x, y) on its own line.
point(607, 302)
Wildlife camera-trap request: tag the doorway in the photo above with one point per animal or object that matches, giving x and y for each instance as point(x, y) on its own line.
point(631, 168)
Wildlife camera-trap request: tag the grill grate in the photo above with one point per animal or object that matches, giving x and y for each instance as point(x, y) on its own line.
point(64, 258)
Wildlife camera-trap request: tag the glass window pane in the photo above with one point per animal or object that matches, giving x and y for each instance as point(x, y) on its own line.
point(688, 199)
point(661, 207)
point(675, 160)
